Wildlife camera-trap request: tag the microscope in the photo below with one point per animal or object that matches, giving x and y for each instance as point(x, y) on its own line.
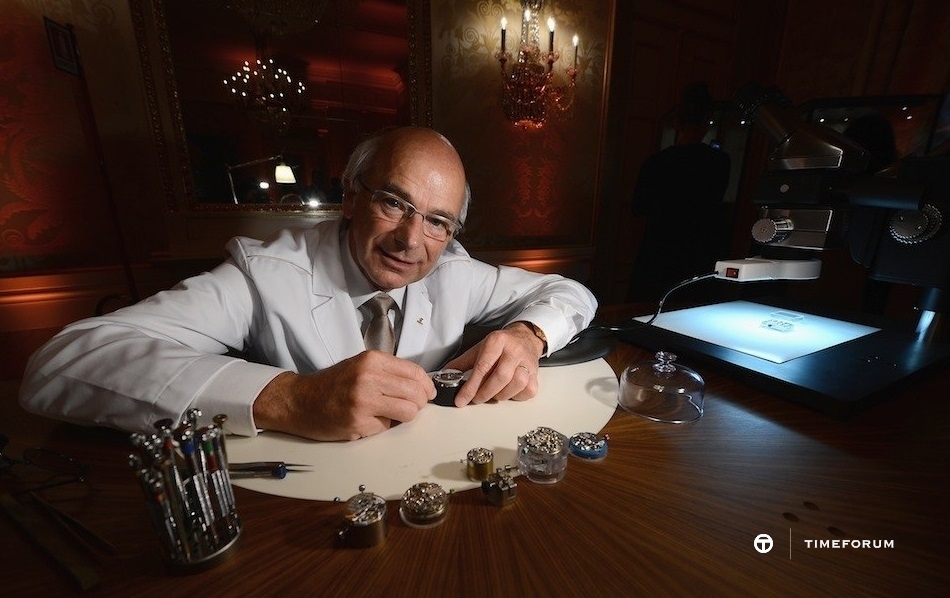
point(816, 195)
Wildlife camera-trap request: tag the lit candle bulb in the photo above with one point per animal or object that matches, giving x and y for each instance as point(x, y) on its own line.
point(524, 25)
point(504, 27)
point(551, 34)
point(576, 39)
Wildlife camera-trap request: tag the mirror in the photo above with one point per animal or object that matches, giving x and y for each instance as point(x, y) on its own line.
point(364, 65)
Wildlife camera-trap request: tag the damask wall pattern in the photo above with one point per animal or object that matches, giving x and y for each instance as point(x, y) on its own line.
point(530, 188)
point(52, 211)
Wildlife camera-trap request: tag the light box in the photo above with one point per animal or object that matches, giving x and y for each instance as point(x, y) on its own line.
point(834, 364)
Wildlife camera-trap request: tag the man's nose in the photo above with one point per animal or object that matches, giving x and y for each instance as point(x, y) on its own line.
point(409, 230)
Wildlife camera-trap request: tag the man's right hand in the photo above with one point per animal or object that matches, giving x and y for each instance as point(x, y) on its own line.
point(357, 397)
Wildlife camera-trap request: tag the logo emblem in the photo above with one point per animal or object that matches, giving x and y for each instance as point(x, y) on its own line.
point(763, 543)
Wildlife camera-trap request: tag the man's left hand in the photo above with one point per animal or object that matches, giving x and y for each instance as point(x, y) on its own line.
point(504, 365)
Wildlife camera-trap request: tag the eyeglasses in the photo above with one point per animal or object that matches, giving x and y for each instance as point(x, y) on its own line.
point(389, 206)
point(57, 469)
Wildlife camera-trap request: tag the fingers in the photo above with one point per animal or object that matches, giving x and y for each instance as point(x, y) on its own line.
point(503, 368)
point(357, 397)
point(394, 378)
point(521, 385)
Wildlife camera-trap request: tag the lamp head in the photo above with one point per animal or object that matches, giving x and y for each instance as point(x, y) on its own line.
point(284, 174)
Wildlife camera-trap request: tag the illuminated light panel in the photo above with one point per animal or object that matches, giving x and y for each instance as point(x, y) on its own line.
point(767, 332)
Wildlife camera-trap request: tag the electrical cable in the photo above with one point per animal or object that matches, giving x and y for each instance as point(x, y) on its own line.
point(633, 322)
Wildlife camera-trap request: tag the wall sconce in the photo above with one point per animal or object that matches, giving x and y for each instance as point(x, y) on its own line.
point(282, 172)
point(529, 96)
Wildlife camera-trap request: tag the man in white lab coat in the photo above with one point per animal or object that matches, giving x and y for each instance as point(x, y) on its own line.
point(294, 305)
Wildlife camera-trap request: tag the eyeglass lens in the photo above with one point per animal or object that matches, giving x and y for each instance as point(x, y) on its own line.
point(396, 209)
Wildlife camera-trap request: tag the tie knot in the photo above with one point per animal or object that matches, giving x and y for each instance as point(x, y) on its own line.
point(380, 304)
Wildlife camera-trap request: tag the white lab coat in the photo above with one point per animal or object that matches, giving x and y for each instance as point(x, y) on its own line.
point(284, 303)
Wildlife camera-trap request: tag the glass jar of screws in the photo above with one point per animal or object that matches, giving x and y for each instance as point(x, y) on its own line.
point(542, 455)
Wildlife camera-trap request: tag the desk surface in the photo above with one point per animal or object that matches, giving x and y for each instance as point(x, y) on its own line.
point(671, 510)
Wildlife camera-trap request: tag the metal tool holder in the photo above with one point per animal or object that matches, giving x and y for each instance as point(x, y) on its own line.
point(183, 472)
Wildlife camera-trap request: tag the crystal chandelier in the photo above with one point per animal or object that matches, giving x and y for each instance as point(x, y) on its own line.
point(268, 92)
point(265, 90)
point(529, 97)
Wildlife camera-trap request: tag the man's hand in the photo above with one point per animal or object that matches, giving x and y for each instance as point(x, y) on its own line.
point(357, 397)
point(504, 366)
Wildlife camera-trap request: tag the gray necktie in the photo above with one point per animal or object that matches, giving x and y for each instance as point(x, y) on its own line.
point(379, 334)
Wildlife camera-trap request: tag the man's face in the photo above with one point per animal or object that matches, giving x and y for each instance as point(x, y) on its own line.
point(423, 170)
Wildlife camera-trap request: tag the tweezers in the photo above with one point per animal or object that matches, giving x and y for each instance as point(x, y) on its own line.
point(264, 469)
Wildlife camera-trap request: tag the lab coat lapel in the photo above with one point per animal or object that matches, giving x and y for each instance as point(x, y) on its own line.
point(416, 323)
point(337, 328)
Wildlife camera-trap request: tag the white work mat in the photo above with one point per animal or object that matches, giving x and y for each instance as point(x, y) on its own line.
point(433, 447)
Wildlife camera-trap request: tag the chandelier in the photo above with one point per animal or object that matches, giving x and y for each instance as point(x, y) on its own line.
point(265, 90)
point(268, 92)
point(529, 96)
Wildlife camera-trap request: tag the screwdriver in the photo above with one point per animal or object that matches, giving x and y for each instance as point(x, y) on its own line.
point(263, 469)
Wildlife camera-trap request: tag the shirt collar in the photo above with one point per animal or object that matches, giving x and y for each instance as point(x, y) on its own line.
point(360, 288)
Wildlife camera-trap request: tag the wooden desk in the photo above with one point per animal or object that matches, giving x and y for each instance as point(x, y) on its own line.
point(673, 510)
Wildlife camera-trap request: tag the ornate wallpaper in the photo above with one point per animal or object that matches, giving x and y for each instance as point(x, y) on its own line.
point(53, 211)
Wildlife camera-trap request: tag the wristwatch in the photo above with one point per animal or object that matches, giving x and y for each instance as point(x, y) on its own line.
point(447, 385)
point(537, 332)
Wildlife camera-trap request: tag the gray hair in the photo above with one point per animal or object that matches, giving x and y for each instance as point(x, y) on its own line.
point(362, 158)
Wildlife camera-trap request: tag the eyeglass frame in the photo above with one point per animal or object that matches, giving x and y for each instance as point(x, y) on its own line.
point(411, 210)
point(76, 472)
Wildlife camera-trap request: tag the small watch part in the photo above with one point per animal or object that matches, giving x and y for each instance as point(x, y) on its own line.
point(480, 462)
point(365, 520)
point(424, 504)
point(588, 445)
point(500, 488)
